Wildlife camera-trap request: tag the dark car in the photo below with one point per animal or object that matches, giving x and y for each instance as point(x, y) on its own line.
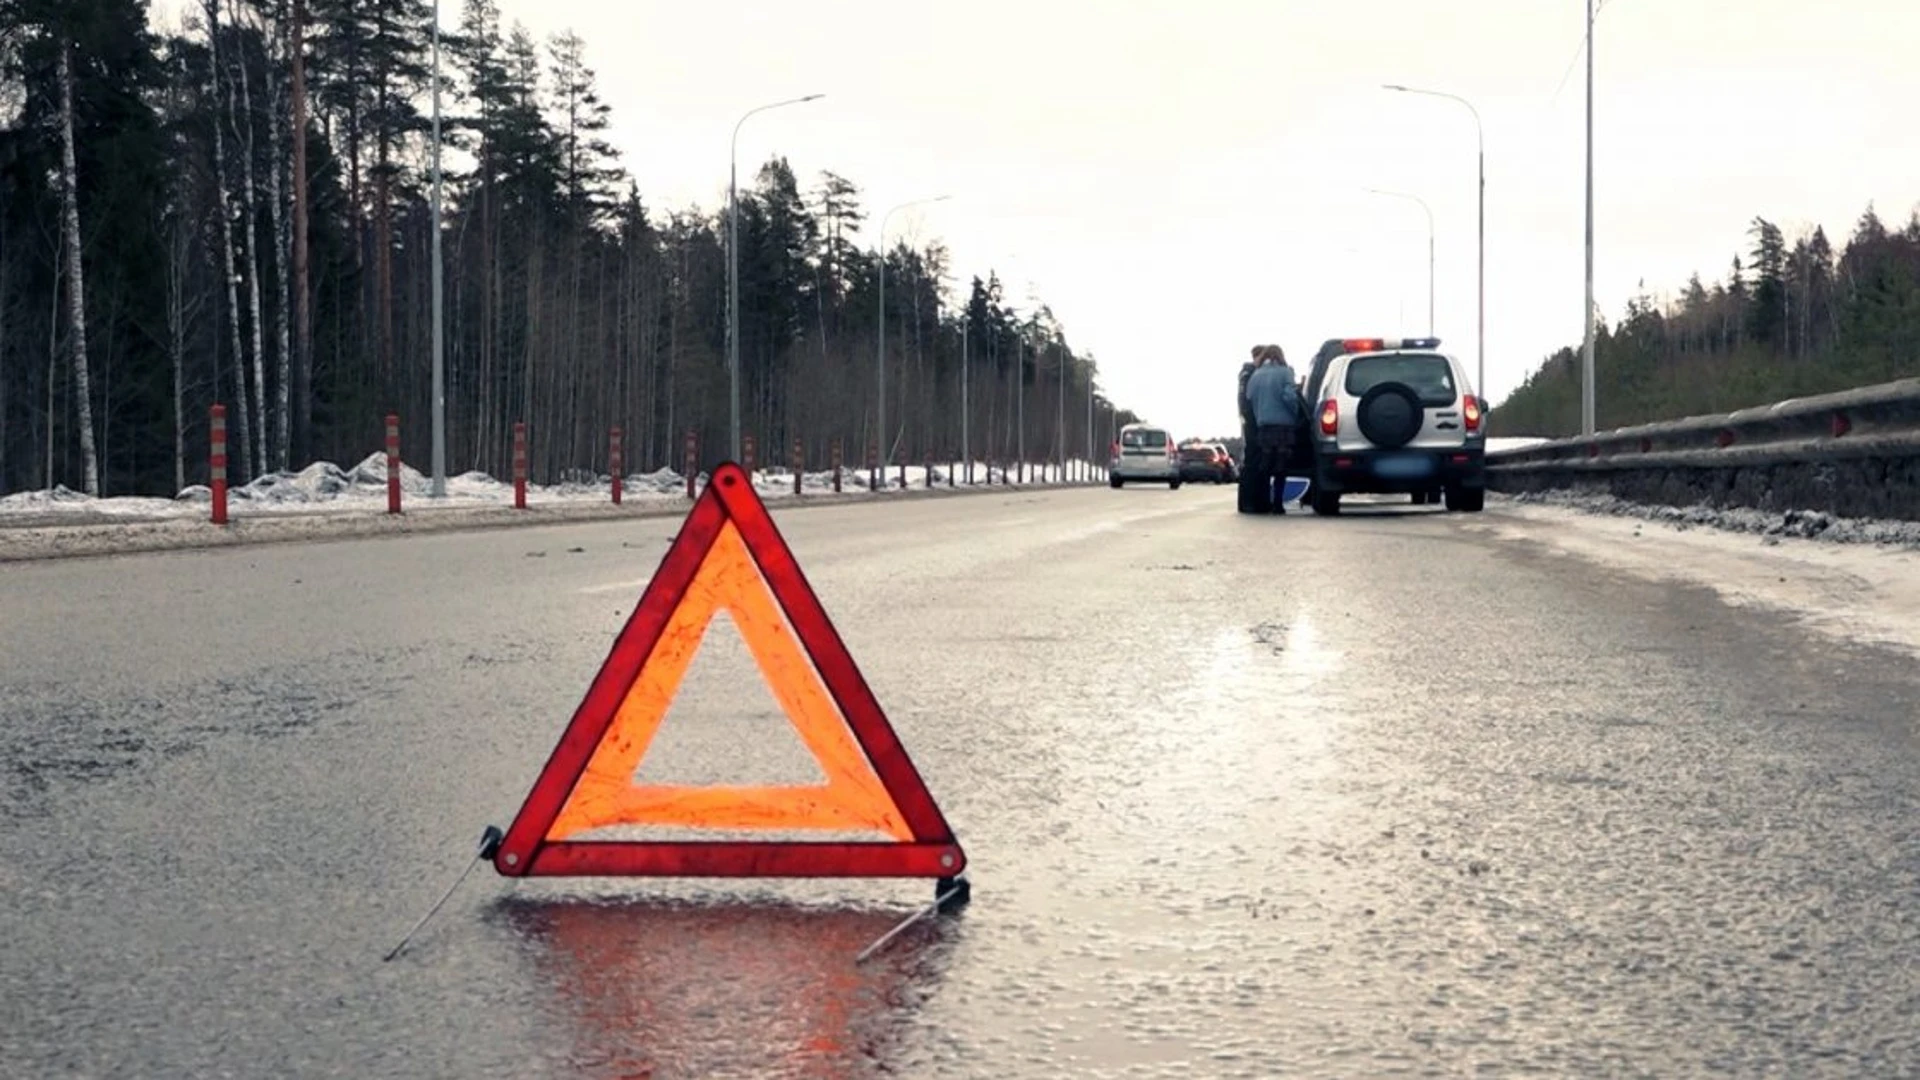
point(1207, 463)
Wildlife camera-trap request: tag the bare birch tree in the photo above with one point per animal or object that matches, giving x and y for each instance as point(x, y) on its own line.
point(225, 199)
point(241, 113)
point(76, 282)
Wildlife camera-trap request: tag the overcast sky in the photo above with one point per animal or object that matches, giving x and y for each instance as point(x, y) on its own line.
point(1180, 180)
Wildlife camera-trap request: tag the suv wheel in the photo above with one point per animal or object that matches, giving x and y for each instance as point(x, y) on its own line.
point(1114, 481)
point(1326, 505)
point(1466, 500)
point(1390, 415)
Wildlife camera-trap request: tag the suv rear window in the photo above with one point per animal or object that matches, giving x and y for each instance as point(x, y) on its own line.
point(1143, 439)
point(1426, 374)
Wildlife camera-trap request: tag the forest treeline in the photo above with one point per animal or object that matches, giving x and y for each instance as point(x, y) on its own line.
point(1785, 320)
point(238, 211)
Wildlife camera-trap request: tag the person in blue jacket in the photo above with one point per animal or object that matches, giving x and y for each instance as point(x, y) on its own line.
point(1273, 397)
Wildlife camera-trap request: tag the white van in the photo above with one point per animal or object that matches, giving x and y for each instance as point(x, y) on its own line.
point(1144, 453)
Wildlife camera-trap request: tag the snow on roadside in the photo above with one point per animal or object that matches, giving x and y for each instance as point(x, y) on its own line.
point(325, 487)
point(1854, 581)
point(1803, 524)
point(325, 502)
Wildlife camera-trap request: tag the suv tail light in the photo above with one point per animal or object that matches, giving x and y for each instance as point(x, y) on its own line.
point(1470, 406)
point(1330, 417)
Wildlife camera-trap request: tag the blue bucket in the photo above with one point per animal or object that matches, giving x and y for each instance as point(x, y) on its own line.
point(1294, 487)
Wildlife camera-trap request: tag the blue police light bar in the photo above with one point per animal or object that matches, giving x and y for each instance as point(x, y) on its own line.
point(1420, 343)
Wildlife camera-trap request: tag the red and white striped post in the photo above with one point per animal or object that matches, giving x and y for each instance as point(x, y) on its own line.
point(217, 464)
point(393, 463)
point(799, 463)
point(614, 464)
point(836, 466)
point(691, 462)
point(746, 454)
point(873, 466)
point(519, 465)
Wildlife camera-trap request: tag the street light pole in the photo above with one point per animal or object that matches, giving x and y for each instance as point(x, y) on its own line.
point(439, 489)
point(966, 453)
point(1480, 379)
point(733, 268)
point(1088, 469)
point(880, 441)
point(1586, 346)
point(1429, 210)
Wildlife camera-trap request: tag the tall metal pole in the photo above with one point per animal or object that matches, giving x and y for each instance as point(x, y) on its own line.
point(1480, 134)
point(880, 441)
point(439, 488)
point(966, 452)
point(1430, 264)
point(1089, 465)
point(733, 270)
point(1060, 422)
point(1586, 319)
point(1020, 399)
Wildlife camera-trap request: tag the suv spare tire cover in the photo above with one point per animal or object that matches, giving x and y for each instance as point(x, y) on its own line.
point(1390, 415)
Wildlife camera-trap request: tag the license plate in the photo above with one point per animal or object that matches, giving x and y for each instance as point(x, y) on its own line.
point(1403, 466)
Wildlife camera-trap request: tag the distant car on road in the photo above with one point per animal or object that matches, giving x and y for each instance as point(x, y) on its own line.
point(1207, 463)
point(1395, 417)
point(1144, 453)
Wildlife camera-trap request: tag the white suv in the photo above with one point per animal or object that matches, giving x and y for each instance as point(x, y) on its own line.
point(1397, 417)
point(1144, 452)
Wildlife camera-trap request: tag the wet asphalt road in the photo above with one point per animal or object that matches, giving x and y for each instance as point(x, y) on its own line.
point(1374, 796)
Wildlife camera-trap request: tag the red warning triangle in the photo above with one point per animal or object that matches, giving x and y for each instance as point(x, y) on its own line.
point(730, 556)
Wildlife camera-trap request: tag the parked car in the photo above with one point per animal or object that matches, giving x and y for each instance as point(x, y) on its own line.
point(1144, 453)
point(1207, 463)
point(1395, 417)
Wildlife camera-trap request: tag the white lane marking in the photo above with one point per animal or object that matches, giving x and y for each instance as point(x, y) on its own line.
point(618, 586)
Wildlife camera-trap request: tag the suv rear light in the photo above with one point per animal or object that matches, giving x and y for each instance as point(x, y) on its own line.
point(1470, 406)
point(1330, 417)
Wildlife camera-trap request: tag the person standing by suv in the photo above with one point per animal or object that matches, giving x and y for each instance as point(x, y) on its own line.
point(1273, 397)
point(1246, 409)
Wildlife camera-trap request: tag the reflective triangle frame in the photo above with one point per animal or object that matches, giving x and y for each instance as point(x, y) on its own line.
point(931, 849)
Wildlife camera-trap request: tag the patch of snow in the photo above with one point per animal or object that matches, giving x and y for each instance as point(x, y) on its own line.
point(1804, 524)
point(1856, 581)
point(1495, 445)
point(324, 500)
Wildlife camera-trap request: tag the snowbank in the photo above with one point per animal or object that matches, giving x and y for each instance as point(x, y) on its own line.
point(1803, 524)
point(324, 500)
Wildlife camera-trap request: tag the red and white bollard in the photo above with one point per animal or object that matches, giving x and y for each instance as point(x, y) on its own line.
point(217, 464)
point(798, 463)
point(691, 463)
point(873, 467)
point(393, 463)
point(836, 466)
point(746, 456)
point(614, 465)
point(519, 465)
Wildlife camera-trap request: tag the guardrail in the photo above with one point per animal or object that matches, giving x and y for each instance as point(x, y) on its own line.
point(1855, 453)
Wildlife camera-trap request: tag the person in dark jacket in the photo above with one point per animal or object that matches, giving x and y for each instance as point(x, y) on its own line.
point(1246, 410)
point(1249, 502)
point(1273, 396)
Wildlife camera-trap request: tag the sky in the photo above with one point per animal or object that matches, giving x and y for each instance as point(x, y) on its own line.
point(1182, 180)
